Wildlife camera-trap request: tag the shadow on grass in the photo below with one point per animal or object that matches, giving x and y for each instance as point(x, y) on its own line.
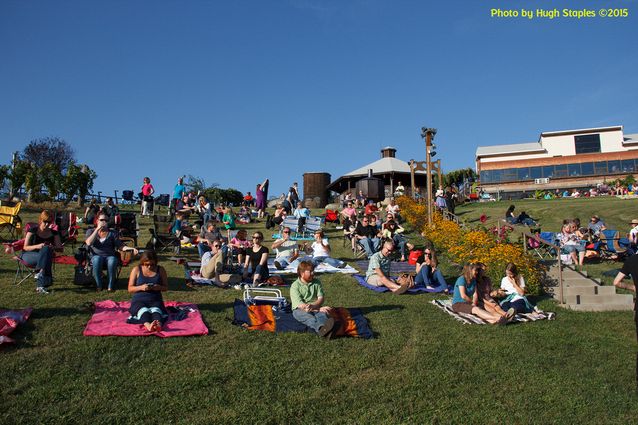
point(214, 308)
point(375, 308)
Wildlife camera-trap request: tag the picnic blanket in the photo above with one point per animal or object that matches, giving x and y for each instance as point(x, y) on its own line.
point(270, 318)
point(361, 280)
point(321, 268)
point(65, 259)
point(110, 317)
point(446, 305)
point(9, 321)
point(396, 267)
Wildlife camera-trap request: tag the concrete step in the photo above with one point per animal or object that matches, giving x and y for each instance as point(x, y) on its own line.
point(579, 282)
point(600, 307)
point(588, 290)
point(600, 299)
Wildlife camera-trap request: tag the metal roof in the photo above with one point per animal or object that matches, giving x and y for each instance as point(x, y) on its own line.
point(383, 166)
point(630, 138)
point(509, 149)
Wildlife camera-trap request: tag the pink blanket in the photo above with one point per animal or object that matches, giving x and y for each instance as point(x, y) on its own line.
point(110, 317)
point(9, 321)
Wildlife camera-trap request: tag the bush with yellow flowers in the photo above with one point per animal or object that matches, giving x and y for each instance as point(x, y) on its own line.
point(478, 245)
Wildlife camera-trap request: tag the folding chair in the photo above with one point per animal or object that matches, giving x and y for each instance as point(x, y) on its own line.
point(161, 237)
point(542, 249)
point(128, 196)
point(254, 296)
point(331, 217)
point(612, 245)
point(10, 221)
point(127, 226)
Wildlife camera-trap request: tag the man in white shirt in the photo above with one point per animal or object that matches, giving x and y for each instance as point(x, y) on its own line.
point(286, 250)
point(320, 250)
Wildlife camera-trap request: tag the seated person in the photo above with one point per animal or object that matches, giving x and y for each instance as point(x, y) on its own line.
point(39, 244)
point(204, 209)
point(286, 250)
point(513, 288)
point(239, 245)
point(320, 253)
point(466, 297)
point(229, 219)
point(595, 225)
point(279, 215)
point(183, 206)
point(91, 212)
point(393, 209)
point(213, 266)
point(348, 210)
point(509, 215)
point(399, 190)
point(306, 297)
point(111, 210)
point(393, 230)
point(484, 289)
point(361, 199)
point(570, 244)
point(349, 227)
point(244, 215)
point(180, 228)
point(367, 236)
point(256, 263)
point(371, 208)
point(428, 274)
point(147, 282)
point(209, 232)
point(105, 245)
point(378, 273)
point(524, 218)
point(248, 198)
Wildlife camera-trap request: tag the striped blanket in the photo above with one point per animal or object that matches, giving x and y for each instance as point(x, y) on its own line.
point(446, 306)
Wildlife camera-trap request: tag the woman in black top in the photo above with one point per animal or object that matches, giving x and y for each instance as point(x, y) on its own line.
point(257, 260)
point(38, 249)
point(146, 283)
point(91, 212)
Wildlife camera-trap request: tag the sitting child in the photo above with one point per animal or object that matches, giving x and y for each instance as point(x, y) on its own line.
point(513, 287)
point(244, 215)
point(239, 245)
point(306, 296)
point(180, 228)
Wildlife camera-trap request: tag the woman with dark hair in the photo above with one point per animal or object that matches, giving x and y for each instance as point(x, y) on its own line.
point(513, 287)
point(256, 263)
point(261, 194)
point(147, 282)
point(105, 245)
point(39, 244)
point(147, 197)
point(466, 296)
point(428, 274)
point(509, 215)
point(394, 231)
point(91, 212)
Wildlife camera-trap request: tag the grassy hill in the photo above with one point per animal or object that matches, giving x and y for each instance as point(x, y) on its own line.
point(422, 367)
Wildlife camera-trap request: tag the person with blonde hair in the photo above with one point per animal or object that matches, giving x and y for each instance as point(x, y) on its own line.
point(38, 250)
point(466, 296)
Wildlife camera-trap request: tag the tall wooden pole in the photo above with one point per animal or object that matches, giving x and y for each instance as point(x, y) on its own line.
point(428, 171)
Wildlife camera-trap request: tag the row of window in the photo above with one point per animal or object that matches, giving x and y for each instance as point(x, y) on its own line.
point(562, 170)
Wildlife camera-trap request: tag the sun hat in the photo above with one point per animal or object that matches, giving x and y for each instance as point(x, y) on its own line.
point(634, 222)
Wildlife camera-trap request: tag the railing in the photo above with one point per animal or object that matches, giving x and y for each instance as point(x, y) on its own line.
point(526, 238)
point(450, 217)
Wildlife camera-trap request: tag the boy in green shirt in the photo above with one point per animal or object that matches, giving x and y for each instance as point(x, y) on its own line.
point(306, 295)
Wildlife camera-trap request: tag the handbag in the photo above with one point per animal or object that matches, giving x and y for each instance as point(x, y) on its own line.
point(406, 278)
point(83, 276)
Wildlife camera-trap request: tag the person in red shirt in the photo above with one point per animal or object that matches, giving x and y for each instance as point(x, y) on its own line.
point(371, 208)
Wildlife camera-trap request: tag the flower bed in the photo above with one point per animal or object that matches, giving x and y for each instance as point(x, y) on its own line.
point(464, 245)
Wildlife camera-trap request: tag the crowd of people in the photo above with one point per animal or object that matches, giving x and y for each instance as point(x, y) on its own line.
point(373, 229)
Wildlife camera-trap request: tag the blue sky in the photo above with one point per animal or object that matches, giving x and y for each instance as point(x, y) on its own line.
point(237, 91)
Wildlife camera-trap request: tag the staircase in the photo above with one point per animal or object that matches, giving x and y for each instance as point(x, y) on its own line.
point(583, 293)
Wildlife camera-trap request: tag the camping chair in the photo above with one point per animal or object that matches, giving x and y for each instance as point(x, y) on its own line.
point(23, 269)
point(127, 226)
point(312, 225)
point(128, 196)
point(331, 217)
point(161, 237)
point(544, 250)
point(613, 246)
point(67, 226)
point(10, 221)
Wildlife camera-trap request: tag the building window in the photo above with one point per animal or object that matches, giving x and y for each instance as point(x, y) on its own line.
point(509, 175)
point(486, 177)
point(628, 165)
point(536, 172)
point(574, 169)
point(548, 171)
point(600, 167)
point(587, 168)
point(523, 173)
point(560, 170)
point(588, 143)
point(613, 166)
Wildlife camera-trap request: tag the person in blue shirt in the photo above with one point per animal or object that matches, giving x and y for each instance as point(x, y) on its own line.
point(466, 297)
point(178, 192)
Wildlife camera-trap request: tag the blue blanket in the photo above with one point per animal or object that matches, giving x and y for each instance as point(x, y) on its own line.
point(415, 290)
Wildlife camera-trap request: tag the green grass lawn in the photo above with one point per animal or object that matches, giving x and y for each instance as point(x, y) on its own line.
point(422, 367)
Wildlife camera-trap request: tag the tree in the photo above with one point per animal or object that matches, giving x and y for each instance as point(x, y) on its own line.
point(227, 196)
point(77, 181)
point(51, 178)
point(18, 176)
point(196, 184)
point(49, 149)
point(5, 172)
point(32, 181)
point(457, 177)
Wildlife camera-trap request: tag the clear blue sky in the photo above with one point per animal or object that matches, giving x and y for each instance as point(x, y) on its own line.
point(237, 91)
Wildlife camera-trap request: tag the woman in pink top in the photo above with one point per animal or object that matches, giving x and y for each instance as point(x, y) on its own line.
point(147, 197)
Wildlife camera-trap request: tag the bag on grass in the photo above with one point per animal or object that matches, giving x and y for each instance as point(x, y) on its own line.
point(406, 278)
point(276, 281)
point(83, 276)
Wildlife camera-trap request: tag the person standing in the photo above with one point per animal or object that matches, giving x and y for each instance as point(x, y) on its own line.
point(178, 193)
point(630, 268)
point(147, 197)
point(261, 194)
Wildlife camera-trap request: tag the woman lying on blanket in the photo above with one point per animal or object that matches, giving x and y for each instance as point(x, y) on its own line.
point(484, 289)
point(466, 297)
point(147, 282)
point(427, 273)
point(513, 288)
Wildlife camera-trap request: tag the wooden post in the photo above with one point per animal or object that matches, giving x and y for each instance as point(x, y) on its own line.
point(428, 198)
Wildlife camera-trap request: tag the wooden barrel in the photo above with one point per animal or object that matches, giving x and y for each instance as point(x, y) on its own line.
point(314, 189)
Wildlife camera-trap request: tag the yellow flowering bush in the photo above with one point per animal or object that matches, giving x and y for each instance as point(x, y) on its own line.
point(463, 245)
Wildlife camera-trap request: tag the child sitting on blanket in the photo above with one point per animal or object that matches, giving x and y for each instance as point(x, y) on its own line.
point(484, 288)
point(513, 288)
point(306, 295)
point(466, 296)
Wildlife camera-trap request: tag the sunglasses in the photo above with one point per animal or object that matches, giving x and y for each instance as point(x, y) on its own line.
point(286, 231)
point(102, 219)
point(256, 237)
point(217, 246)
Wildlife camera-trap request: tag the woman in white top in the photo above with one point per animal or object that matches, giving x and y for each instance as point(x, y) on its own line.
point(513, 287)
point(320, 250)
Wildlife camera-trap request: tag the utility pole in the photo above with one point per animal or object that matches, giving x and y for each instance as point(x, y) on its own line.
point(428, 134)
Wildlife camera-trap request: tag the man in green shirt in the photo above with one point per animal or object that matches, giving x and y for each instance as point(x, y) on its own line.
point(378, 273)
point(306, 295)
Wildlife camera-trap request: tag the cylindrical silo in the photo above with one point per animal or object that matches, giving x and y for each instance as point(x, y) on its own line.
point(315, 194)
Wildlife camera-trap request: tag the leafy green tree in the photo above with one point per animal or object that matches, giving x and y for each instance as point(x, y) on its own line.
point(18, 176)
point(5, 172)
point(32, 181)
point(51, 178)
point(196, 184)
point(227, 196)
point(77, 181)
